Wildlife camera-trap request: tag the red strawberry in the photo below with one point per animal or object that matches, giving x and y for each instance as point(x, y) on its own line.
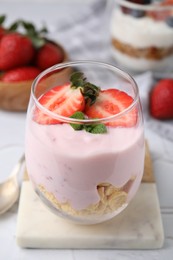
point(167, 2)
point(15, 50)
point(49, 55)
point(161, 15)
point(161, 99)
point(111, 102)
point(21, 74)
point(62, 100)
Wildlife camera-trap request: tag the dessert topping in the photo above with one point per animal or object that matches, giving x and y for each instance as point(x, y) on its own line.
point(91, 128)
point(159, 15)
point(89, 91)
point(62, 100)
point(111, 102)
point(162, 15)
point(140, 2)
point(135, 12)
point(82, 100)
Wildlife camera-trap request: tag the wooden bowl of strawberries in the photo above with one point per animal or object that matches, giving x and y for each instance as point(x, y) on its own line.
point(22, 57)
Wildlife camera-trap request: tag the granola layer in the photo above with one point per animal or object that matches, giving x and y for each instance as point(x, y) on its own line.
point(111, 199)
point(151, 53)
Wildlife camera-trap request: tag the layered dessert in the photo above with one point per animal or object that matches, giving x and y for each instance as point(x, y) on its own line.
point(85, 170)
point(142, 37)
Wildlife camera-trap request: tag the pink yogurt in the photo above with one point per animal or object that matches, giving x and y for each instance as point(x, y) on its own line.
point(70, 164)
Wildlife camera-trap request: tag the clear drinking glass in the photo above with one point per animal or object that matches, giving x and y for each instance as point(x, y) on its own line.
point(85, 170)
point(141, 33)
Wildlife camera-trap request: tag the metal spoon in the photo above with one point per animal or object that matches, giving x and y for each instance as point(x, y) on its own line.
point(9, 189)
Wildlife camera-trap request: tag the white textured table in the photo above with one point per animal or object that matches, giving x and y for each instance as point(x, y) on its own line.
point(12, 127)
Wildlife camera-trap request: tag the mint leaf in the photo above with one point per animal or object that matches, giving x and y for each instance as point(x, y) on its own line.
point(96, 129)
point(93, 129)
point(78, 115)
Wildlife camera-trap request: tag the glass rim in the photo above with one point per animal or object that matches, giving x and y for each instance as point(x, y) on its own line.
point(85, 121)
point(147, 7)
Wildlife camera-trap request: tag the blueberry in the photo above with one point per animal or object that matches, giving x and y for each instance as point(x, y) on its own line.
point(137, 13)
point(140, 2)
point(133, 12)
point(169, 21)
point(125, 10)
point(146, 2)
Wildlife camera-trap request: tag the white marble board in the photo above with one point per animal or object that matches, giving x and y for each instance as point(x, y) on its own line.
point(138, 227)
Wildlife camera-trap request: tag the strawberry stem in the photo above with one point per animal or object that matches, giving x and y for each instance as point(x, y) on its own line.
point(2, 19)
point(88, 90)
point(36, 36)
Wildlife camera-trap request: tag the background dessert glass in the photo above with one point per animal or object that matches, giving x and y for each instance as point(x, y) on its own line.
point(142, 34)
point(85, 177)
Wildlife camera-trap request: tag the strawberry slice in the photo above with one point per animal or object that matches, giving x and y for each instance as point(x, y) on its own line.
point(62, 100)
point(161, 15)
point(111, 102)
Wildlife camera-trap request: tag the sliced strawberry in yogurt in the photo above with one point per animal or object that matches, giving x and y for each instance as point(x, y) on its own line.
point(61, 100)
point(111, 102)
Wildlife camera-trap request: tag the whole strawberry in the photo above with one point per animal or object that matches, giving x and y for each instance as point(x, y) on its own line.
point(15, 50)
point(20, 74)
point(48, 55)
point(161, 100)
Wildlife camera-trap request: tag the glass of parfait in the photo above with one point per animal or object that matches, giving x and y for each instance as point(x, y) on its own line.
point(141, 33)
point(85, 140)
